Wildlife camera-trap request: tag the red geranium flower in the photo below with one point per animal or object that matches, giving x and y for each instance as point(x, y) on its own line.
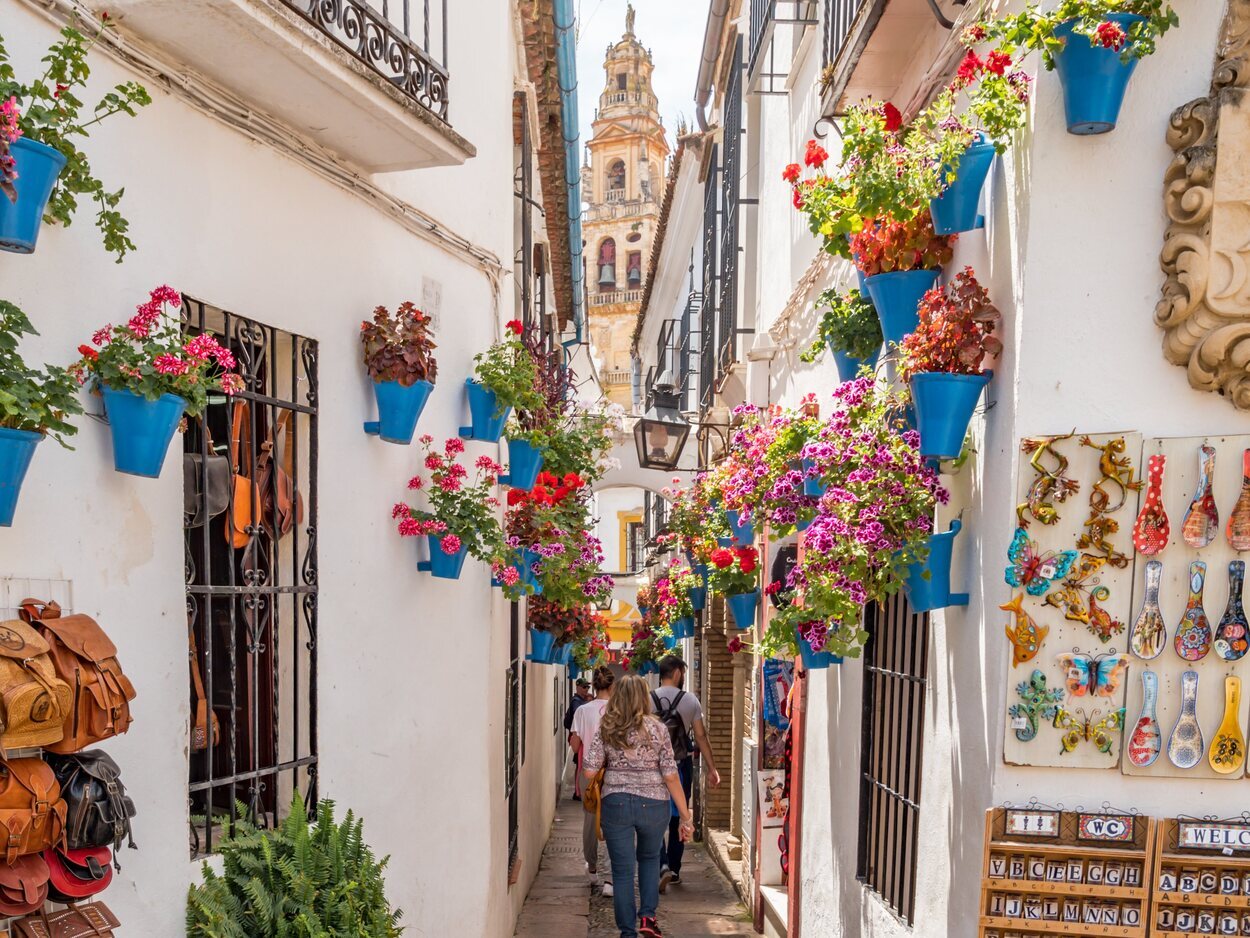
point(1110, 35)
point(815, 155)
point(722, 557)
point(791, 173)
point(514, 326)
point(735, 645)
point(998, 62)
point(88, 352)
point(798, 199)
point(969, 68)
point(893, 118)
point(516, 497)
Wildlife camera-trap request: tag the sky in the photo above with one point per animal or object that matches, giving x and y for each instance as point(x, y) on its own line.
point(671, 29)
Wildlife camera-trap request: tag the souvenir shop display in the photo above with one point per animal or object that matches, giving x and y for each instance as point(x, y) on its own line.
point(1048, 871)
point(1201, 877)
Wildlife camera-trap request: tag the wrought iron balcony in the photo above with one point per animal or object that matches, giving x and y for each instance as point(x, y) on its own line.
point(768, 61)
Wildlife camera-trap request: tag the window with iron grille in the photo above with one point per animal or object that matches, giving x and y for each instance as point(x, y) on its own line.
point(251, 584)
point(895, 684)
point(730, 169)
point(839, 16)
point(636, 544)
point(707, 316)
point(513, 730)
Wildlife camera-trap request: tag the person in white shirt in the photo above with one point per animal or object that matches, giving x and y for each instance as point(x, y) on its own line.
point(586, 721)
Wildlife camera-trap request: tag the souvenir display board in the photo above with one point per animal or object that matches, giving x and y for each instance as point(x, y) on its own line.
point(1068, 599)
point(1201, 880)
point(1053, 872)
point(1188, 634)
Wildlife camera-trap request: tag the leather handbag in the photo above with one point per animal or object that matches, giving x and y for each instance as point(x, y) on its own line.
point(246, 502)
point(86, 660)
point(34, 701)
point(283, 505)
point(32, 811)
point(205, 727)
point(74, 875)
point(98, 810)
point(205, 484)
point(592, 800)
point(24, 885)
point(93, 920)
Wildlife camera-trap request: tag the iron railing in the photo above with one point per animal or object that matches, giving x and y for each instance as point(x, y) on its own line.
point(512, 732)
point(616, 296)
point(523, 183)
point(707, 315)
point(730, 170)
point(767, 67)
point(686, 347)
point(404, 41)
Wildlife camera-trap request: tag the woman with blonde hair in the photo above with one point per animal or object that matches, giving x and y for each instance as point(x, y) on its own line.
point(640, 775)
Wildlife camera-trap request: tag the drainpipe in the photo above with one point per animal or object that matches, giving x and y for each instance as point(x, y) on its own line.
point(566, 63)
point(635, 382)
point(711, 43)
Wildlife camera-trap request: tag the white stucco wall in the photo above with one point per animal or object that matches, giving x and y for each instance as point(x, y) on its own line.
point(411, 669)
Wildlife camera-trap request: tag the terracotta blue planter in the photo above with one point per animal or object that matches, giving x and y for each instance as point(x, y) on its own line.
point(575, 671)
point(141, 430)
point(524, 464)
point(38, 165)
point(485, 424)
point(743, 532)
point(525, 567)
point(928, 584)
point(1094, 79)
point(17, 448)
point(670, 642)
point(897, 295)
point(742, 606)
point(563, 655)
point(698, 597)
point(649, 667)
point(848, 367)
point(814, 660)
point(944, 405)
point(955, 210)
point(443, 565)
point(399, 409)
point(683, 627)
point(811, 484)
point(542, 646)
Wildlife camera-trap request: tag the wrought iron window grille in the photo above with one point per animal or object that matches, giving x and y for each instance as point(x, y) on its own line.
point(710, 275)
point(729, 325)
point(768, 67)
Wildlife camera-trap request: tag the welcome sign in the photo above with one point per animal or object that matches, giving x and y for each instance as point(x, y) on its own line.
point(1213, 835)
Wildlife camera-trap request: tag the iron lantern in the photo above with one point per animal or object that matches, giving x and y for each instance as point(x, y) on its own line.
point(660, 434)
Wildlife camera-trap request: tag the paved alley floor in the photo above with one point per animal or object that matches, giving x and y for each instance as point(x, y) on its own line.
point(560, 904)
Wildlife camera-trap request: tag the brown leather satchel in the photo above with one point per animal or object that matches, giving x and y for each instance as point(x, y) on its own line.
point(203, 719)
point(32, 811)
point(283, 505)
point(24, 885)
point(94, 920)
point(246, 504)
point(35, 702)
point(206, 483)
point(86, 659)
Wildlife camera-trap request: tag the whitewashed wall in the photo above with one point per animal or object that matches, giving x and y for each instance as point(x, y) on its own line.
point(411, 669)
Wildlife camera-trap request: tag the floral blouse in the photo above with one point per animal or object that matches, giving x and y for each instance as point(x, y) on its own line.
point(638, 770)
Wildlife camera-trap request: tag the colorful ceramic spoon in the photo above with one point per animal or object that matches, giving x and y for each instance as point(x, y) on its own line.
point(1228, 748)
point(1149, 631)
point(1239, 521)
point(1202, 521)
point(1193, 635)
point(1146, 740)
point(1230, 637)
point(1152, 529)
point(1185, 743)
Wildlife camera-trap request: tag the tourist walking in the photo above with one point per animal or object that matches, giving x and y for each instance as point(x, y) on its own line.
point(581, 694)
point(640, 776)
point(585, 725)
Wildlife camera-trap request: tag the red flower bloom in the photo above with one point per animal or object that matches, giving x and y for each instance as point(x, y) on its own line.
point(798, 199)
point(893, 118)
point(748, 564)
point(516, 497)
point(514, 326)
point(1110, 35)
point(88, 352)
point(735, 645)
point(815, 155)
point(772, 588)
point(561, 492)
point(546, 478)
point(969, 68)
point(573, 480)
point(722, 557)
point(791, 173)
point(998, 62)
point(974, 33)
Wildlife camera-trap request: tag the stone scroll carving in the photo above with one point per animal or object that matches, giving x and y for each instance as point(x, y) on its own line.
point(1205, 307)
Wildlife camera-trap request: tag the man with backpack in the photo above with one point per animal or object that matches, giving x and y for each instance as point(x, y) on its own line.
point(681, 712)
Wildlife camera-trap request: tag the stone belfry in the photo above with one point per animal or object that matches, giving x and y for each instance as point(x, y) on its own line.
point(623, 183)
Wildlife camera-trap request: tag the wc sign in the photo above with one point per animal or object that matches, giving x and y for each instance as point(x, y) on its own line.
point(1113, 827)
point(1217, 835)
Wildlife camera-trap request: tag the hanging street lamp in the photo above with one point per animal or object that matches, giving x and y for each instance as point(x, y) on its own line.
point(660, 434)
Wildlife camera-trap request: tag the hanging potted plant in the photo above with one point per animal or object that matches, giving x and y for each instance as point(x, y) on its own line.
point(927, 579)
point(150, 375)
point(45, 171)
point(506, 377)
point(806, 642)
point(734, 573)
point(532, 430)
point(34, 403)
point(901, 261)
point(1095, 46)
point(399, 354)
point(673, 598)
point(943, 361)
point(461, 518)
point(649, 643)
point(849, 329)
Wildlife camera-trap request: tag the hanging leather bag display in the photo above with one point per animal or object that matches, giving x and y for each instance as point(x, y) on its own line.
point(32, 811)
point(98, 810)
point(205, 484)
point(94, 920)
point(86, 660)
point(74, 875)
point(283, 505)
point(246, 507)
point(23, 885)
point(34, 701)
point(205, 728)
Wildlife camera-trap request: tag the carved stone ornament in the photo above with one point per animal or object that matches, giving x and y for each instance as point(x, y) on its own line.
point(1205, 308)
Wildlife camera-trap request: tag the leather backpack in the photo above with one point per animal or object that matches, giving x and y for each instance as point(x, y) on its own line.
point(86, 660)
point(98, 810)
point(32, 811)
point(74, 875)
point(205, 483)
point(24, 885)
point(94, 920)
point(34, 701)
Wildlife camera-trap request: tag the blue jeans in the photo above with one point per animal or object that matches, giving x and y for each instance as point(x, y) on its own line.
point(633, 828)
point(674, 849)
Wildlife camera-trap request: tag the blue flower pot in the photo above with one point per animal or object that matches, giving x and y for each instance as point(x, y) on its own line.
point(399, 409)
point(955, 210)
point(814, 660)
point(848, 367)
point(944, 406)
point(38, 165)
point(743, 533)
point(642, 610)
point(698, 597)
point(1094, 79)
point(724, 542)
point(803, 524)
point(563, 655)
point(897, 295)
point(17, 448)
point(524, 464)
point(934, 592)
point(485, 424)
point(670, 642)
point(575, 671)
point(743, 606)
point(811, 484)
point(141, 429)
point(683, 627)
point(649, 667)
point(542, 646)
point(525, 567)
point(442, 565)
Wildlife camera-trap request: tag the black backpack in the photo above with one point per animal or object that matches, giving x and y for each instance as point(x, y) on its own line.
point(666, 710)
point(99, 808)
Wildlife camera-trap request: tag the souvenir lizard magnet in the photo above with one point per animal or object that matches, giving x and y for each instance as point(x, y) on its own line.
point(1079, 596)
point(1077, 726)
point(1146, 741)
point(1051, 486)
point(1038, 702)
point(1231, 634)
point(1152, 530)
point(1025, 635)
point(1032, 572)
point(1108, 496)
point(1185, 743)
point(1193, 636)
point(1202, 521)
point(1239, 520)
point(1093, 675)
point(1228, 748)
point(1149, 630)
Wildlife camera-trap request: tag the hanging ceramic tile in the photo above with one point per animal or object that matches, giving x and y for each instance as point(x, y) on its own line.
point(1228, 747)
point(1193, 634)
point(1185, 741)
point(1145, 741)
point(1149, 630)
point(1202, 520)
point(1230, 637)
point(1025, 635)
point(1152, 529)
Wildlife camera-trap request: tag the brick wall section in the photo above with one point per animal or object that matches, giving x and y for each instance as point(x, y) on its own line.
point(717, 697)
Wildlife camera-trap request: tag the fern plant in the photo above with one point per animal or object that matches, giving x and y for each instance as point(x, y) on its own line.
point(300, 881)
